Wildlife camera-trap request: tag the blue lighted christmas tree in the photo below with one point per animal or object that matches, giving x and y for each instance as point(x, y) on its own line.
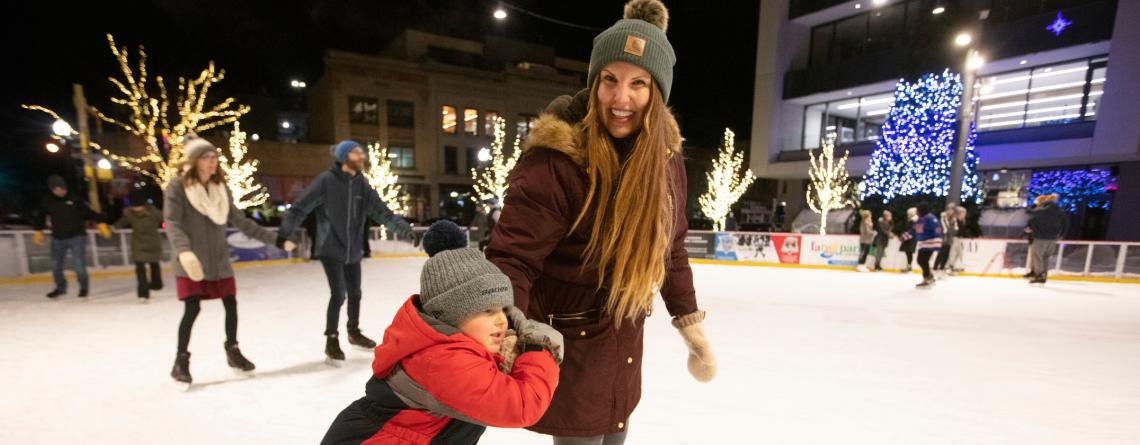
point(913, 156)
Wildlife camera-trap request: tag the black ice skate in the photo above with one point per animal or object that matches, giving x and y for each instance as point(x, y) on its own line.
point(55, 293)
point(181, 371)
point(237, 361)
point(333, 354)
point(927, 283)
point(356, 338)
point(1037, 281)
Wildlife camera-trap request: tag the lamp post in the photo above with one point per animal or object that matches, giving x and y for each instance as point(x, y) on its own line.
point(84, 144)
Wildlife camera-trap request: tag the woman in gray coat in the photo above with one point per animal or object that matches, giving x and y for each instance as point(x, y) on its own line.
point(197, 210)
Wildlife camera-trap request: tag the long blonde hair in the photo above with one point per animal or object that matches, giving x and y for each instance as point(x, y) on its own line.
point(633, 207)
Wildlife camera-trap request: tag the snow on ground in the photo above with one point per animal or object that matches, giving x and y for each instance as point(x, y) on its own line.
point(806, 357)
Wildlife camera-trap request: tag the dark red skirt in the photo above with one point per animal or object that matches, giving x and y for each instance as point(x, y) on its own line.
point(206, 290)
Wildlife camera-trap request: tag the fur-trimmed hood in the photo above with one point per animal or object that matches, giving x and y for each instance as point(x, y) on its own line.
point(560, 128)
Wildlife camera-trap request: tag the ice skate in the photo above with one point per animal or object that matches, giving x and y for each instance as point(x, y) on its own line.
point(181, 372)
point(237, 361)
point(356, 338)
point(333, 354)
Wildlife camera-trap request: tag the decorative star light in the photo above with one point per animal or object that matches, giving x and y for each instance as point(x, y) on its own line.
point(1059, 25)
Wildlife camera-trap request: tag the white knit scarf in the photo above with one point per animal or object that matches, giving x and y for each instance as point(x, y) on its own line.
point(215, 204)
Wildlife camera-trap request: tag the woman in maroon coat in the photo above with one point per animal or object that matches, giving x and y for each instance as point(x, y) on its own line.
point(593, 226)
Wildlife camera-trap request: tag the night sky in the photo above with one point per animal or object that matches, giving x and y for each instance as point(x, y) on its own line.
point(262, 45)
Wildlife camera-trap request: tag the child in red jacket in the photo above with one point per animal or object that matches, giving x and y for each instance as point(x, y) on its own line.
point(436, 376)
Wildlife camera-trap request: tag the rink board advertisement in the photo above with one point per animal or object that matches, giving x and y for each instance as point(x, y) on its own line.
point(830, 250)
point(244, 248)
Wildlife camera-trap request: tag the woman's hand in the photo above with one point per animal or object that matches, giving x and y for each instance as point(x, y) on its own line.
point(191, 265)
point(702, 361)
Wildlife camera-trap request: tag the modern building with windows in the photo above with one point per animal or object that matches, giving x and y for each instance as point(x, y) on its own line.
point(1056, 97)
point(430, 99)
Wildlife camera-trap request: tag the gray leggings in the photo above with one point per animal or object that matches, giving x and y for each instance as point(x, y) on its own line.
point(607, 439)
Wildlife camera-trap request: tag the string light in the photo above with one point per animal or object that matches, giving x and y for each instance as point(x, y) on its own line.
point(829, 188)
point(914, 154)
point(1074, 187)
point(244, 188)
point(726, 183)
point(382, 179)
point(491, 181)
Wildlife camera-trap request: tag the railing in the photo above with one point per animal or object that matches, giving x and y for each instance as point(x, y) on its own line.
point(983, 256)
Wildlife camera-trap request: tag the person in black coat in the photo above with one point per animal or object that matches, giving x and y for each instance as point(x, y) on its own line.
point(69, 216)
point(1047, 224)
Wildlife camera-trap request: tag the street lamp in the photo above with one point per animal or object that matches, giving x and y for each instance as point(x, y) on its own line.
point(61, 128)
point(973, 62)
point(963, 39)
point(52, 147)
point(297, 84)
point(500, 14)
point(104, 164)
point(484, 154)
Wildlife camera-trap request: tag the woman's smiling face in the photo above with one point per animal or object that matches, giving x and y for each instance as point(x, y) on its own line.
point(623, 94)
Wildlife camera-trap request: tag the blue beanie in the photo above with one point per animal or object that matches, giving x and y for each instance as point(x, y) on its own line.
point(443, 235)
point(341, 149)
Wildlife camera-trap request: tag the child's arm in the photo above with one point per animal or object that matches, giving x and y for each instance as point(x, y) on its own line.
point(473, 387)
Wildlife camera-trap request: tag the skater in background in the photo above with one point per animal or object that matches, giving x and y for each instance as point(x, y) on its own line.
point(907, 244)
point(144, 220)
point(948, 219)
point(437, 377)
point(197, 209)
point(1029, 235)
point(882, 238)
point(594, 226)
point(928, 234)
point(866, 238)
point(69, 216)
point(954, 264)
point(343, 201)
point(1048, 224)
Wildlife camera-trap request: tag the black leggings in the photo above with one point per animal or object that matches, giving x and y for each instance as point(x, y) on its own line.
point(146, 285)
point(193, 306)
point(924, 262)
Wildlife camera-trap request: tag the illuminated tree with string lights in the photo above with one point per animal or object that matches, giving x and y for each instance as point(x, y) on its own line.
point(244, 188)
point(383, 180)
point(830, 188)
point(145, 110)
point(914, 155)
point(491, 181)
point(726, 183)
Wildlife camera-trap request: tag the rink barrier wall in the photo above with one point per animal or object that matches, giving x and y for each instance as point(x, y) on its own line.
point(22, 261)
point(1099, 261)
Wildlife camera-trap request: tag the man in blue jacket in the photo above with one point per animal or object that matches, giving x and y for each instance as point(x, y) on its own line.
point(343, 199)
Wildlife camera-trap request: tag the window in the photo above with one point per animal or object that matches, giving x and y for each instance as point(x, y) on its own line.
point(363, 110)
point(402, 157)
point(1043, 95)
point(821, 45)
point(470, 121)
point(450, 160)
point(401, 114)
point(880, 28)
point(849, 120)
point(523, 126)
point(472, 158)
point(449, 119)
point(489, 123)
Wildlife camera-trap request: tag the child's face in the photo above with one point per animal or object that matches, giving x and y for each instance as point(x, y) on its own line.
point(487, 327)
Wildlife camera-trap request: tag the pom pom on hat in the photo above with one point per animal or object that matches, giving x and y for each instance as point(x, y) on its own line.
point(443, 235)
point(652, 11)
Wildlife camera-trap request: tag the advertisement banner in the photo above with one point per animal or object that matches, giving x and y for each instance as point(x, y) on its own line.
point(746, 246)
point(788, 247)
point(830, 250)
point(244, 248)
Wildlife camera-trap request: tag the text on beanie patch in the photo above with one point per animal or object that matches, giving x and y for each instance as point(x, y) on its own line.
point(635, 45)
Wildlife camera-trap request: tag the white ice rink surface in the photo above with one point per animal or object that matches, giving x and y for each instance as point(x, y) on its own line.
point(806, 357)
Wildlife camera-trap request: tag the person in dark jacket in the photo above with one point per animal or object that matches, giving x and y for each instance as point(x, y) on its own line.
point(69, 216)
point(437, 376)
point(343, 199)
point(604, 169)
point(927, 232)
point(1048, 224)
point(144, 220)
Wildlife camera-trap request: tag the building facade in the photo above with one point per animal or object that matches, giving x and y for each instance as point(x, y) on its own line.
point(430, 99)
point(1056, 98)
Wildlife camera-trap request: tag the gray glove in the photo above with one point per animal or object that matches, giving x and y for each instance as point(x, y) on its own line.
point(532, 332)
